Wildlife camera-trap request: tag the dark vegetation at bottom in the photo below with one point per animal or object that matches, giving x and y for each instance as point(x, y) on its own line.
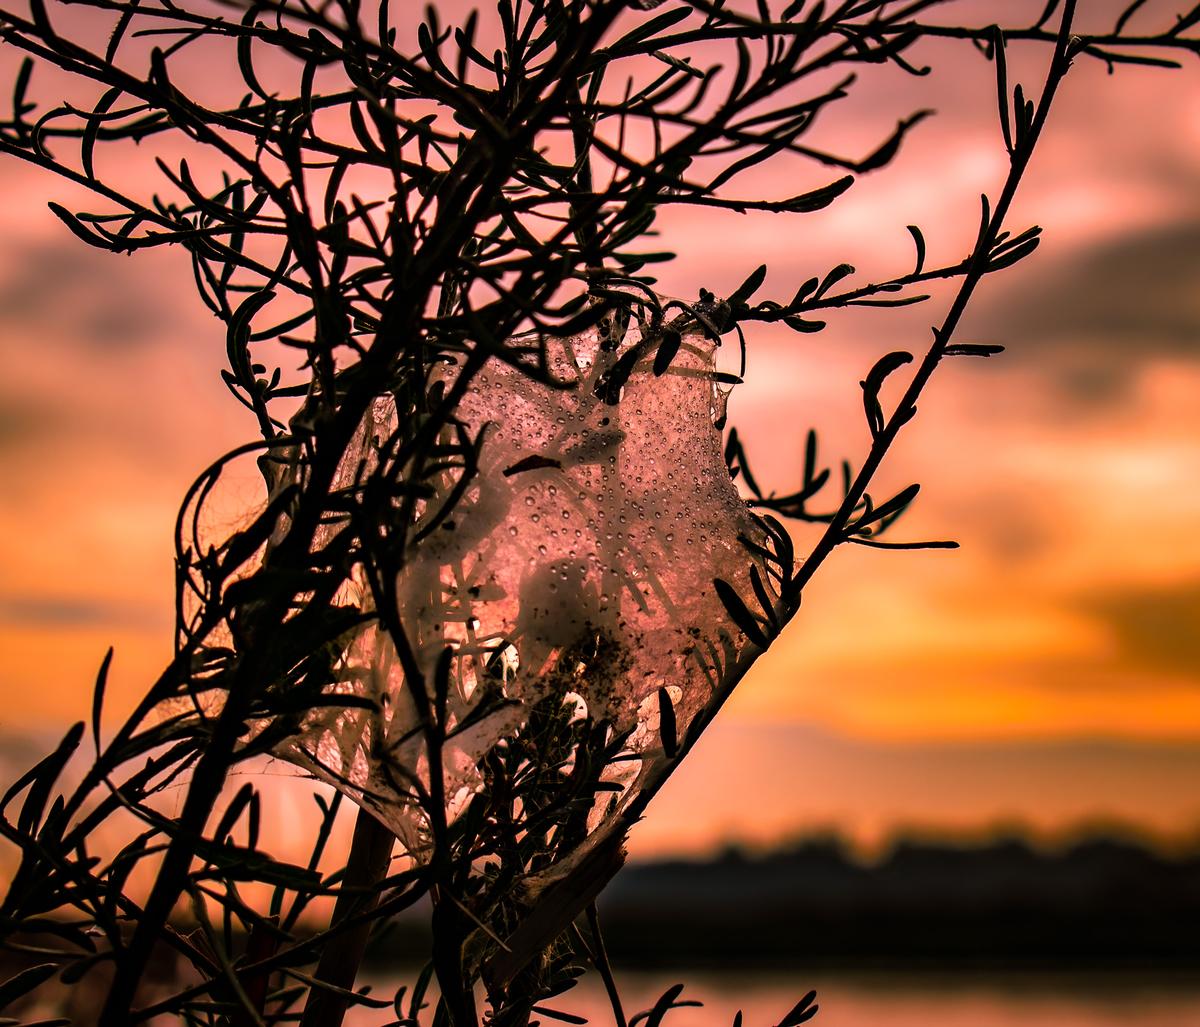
point(1100, 905)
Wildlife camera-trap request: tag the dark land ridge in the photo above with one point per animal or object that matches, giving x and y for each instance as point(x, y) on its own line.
point(1099, 902)
point(927, 908)
point(1007, 904)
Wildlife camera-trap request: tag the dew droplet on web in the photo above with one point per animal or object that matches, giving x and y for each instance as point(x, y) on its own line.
point(548, 585)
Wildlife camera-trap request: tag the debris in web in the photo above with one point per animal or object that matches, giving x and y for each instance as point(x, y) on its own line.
point(576, 567)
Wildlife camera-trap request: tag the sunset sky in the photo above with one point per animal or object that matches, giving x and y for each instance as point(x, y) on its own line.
point(1047, 673)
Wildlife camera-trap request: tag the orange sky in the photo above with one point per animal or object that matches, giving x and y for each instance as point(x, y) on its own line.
point(1046, 672)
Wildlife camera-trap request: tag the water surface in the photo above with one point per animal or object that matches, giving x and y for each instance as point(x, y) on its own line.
point(898, 999)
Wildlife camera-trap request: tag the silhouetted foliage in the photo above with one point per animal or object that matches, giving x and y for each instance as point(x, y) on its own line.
point(409, 218)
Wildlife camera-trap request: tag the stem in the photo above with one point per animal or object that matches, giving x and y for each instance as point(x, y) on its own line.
point(600, 961)
point(834, 534)
point(202, 795)
point(977, 269)
point(370, 856)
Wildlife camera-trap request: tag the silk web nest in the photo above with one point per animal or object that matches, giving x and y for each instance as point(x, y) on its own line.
point(578, 567)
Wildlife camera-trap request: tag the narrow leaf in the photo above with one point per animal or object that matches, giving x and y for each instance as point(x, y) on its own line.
point(919, 240)
point(98, 695)
point(76, 227)
point(558, 1014)
point(803, 1010)
point(1013, 256)
point(892, 508)
point(92, 129)
point(24, 982)
point(1002, 86)
point(739, 613)
point(803, 292)
point(818, 199)
point(967, 349)
point(749, 287)
point(667, 730)
point(874, 381)
point(763, 597)
point(667, 350)
point(831, 279)
point(801, 324)
point(41, 779)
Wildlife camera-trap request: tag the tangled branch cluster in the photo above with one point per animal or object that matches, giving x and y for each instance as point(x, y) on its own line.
point(418, 249)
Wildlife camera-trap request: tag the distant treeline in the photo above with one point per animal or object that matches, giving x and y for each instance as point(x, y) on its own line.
point(1098, 902)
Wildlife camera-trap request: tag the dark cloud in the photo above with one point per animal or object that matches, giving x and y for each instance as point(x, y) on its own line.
point(1138, 292)
point(74, 612)
point(1126, 300)
point(1157, 628)
point(21, 422)
point(1006, 522)
point(66, 290)
point(1088, 322)
point(55, 612)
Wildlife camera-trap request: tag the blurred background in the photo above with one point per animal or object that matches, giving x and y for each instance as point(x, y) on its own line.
point(951, 762)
